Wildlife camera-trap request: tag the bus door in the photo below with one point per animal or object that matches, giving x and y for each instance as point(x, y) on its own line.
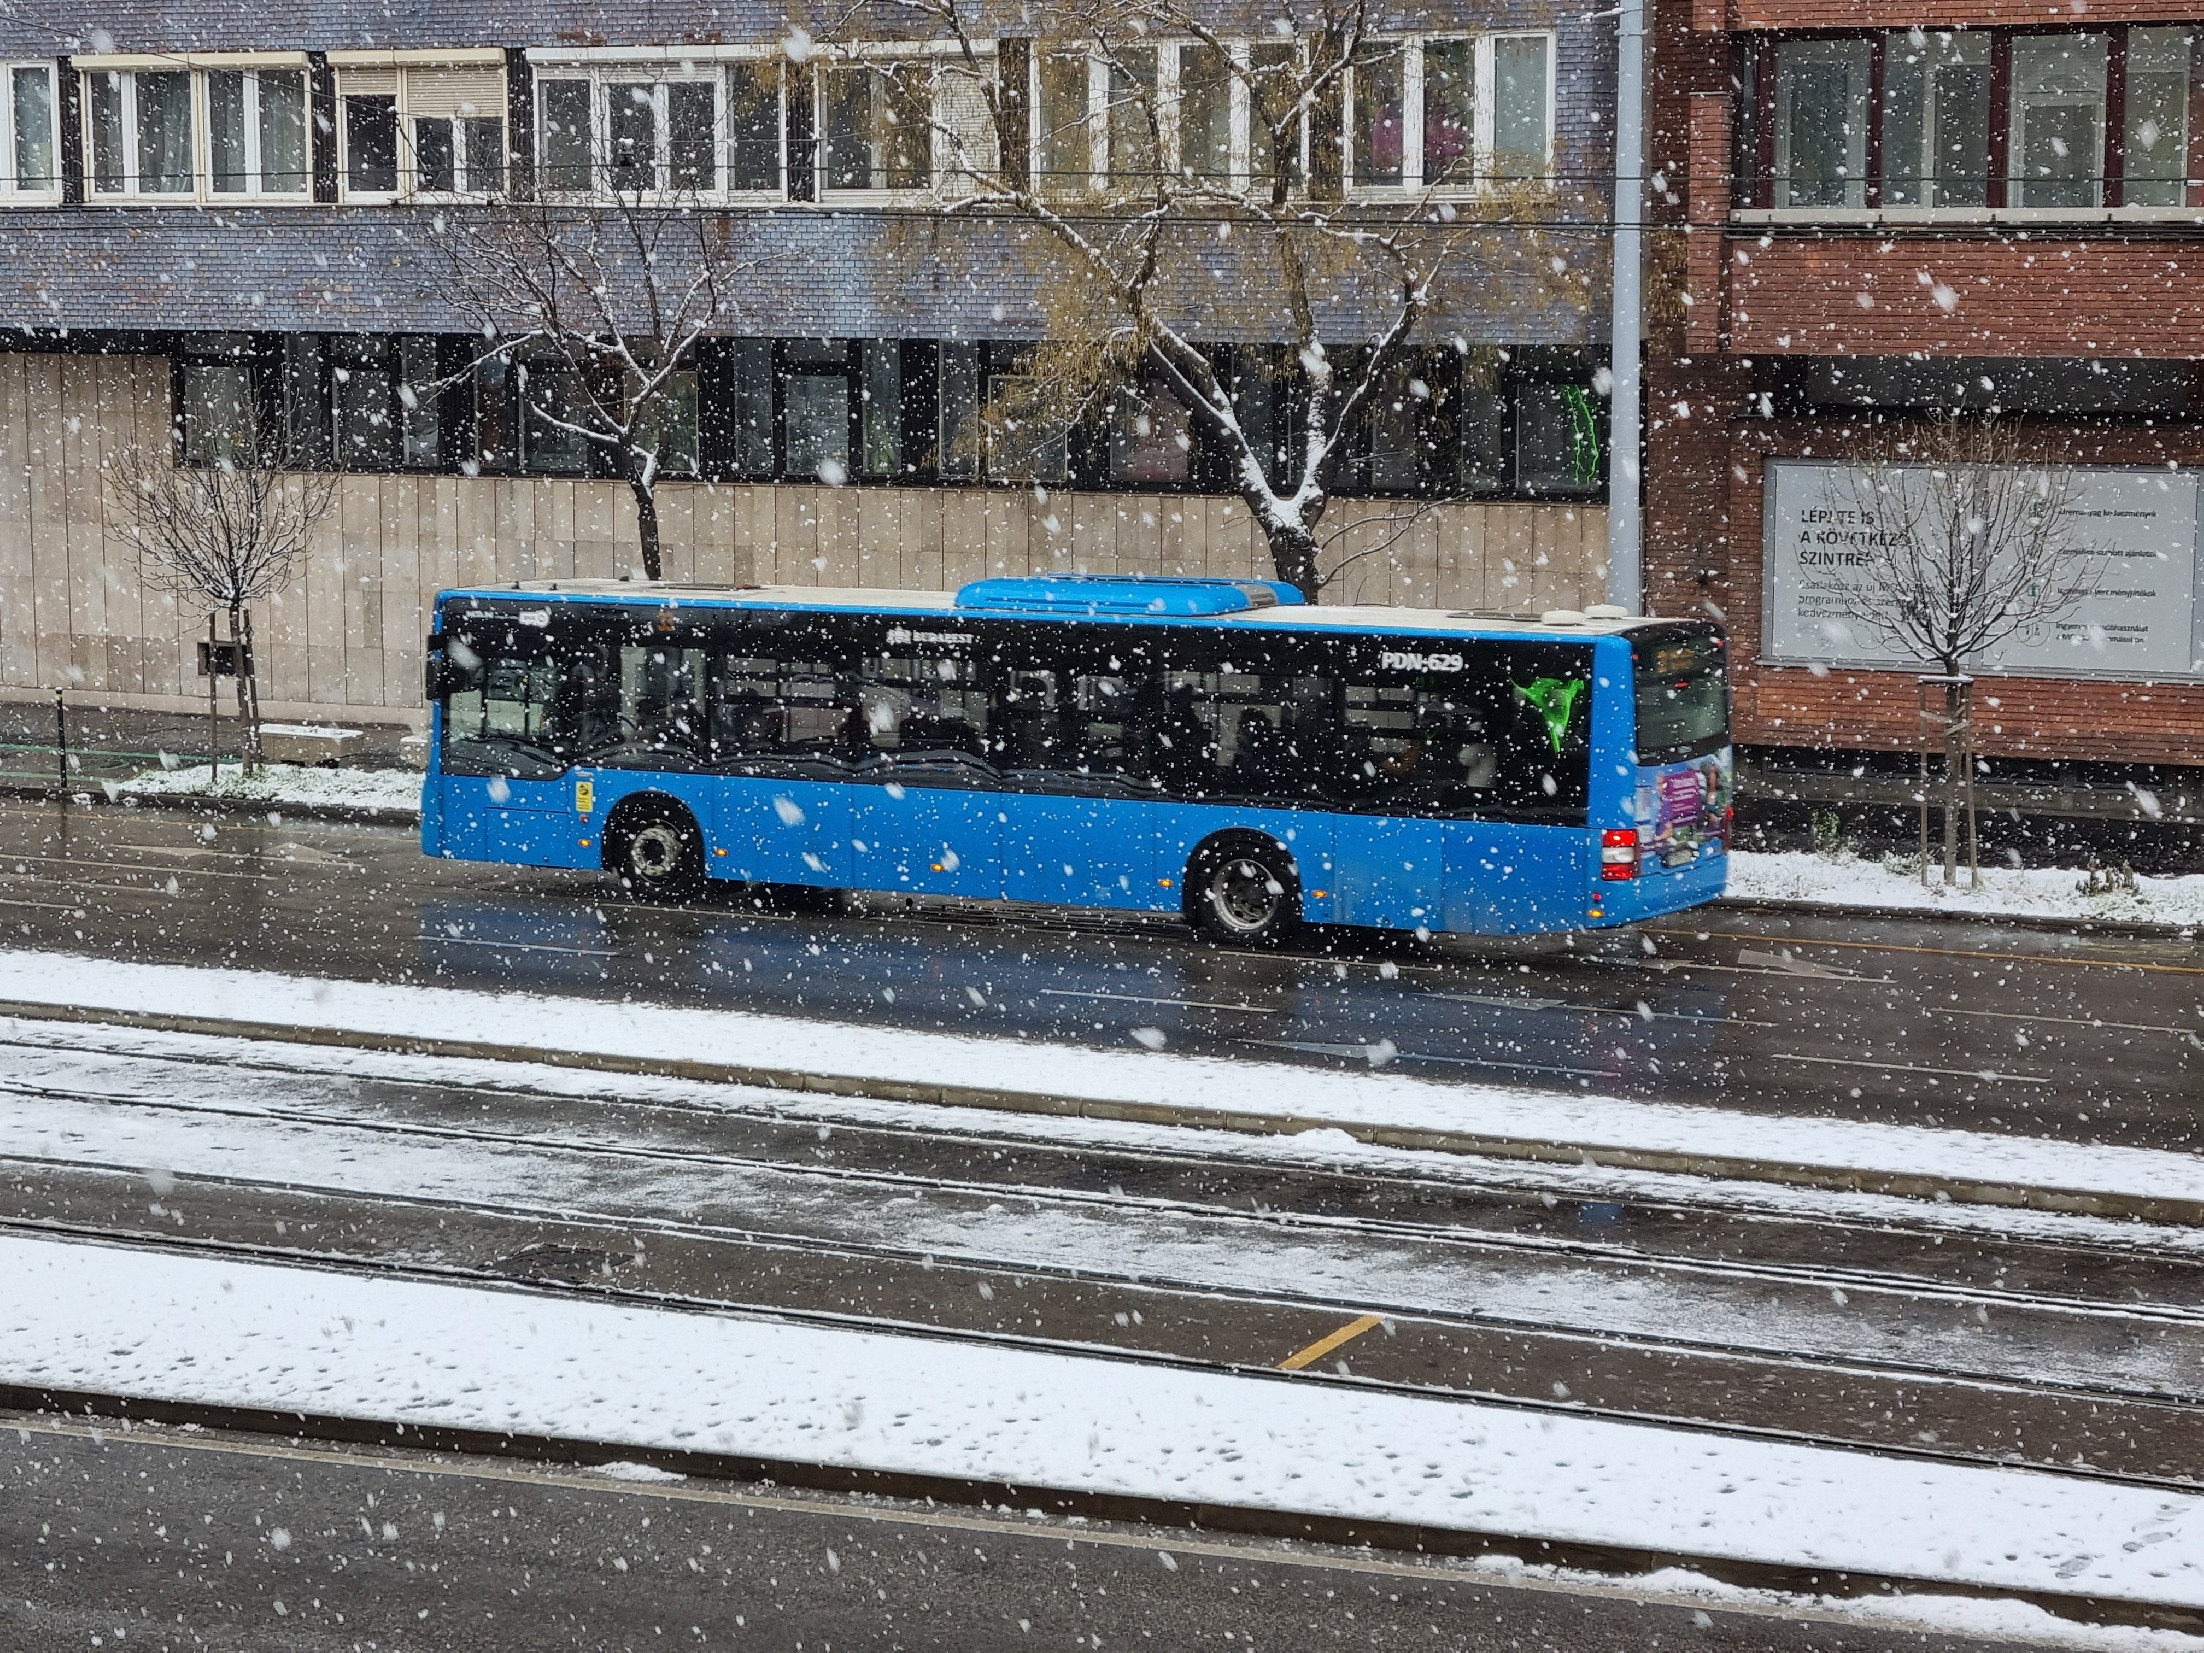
point(783, 741)
point(1080, 827)
point(531, 701)
point(924, 817)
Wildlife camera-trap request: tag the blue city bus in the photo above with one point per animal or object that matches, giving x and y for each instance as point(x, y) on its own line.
point(1212, 748)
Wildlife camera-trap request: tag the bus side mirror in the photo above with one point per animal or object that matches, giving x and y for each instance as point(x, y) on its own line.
point(439, 676)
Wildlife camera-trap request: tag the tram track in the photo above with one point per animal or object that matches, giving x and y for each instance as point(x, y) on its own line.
point(1819, 1278)
point(2117, 1421)
point(2171, 1417)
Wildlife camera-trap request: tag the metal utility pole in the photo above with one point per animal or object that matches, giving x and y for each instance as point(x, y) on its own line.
point(1625, 562)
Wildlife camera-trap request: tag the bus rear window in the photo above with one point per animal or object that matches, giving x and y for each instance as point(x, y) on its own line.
point(1683, 697)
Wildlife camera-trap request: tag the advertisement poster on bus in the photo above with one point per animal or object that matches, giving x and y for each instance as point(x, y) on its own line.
point(1681, 806)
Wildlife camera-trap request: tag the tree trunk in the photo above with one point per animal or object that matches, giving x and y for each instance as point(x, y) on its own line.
point(1958, 753)
point(646, 524)
point(1293, 557)
point(248, 709)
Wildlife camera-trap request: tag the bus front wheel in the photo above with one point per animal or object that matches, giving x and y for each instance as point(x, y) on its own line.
point(1244, 895)
point(657, 853)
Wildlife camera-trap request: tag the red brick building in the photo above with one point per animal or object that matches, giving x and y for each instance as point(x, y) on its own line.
point(1886, 210)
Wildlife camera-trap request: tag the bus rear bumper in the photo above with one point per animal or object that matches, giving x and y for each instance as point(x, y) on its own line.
point(1626, 901)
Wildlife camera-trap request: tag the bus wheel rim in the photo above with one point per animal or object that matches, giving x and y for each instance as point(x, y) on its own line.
point(1244, 895)
point(655, 851)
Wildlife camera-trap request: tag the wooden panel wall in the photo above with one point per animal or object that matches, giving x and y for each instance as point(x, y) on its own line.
point(343, 640)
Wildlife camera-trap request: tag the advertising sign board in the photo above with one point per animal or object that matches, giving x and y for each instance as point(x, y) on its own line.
point(2141, 620)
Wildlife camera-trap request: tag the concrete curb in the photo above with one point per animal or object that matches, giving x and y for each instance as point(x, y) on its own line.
point(2125, 928)
point(2177, 1211)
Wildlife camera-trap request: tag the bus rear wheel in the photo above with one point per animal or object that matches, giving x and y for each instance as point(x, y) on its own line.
point(1244, 895)
point(657, 853)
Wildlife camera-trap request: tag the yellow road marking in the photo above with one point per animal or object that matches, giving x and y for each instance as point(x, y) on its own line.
point(1325, 1345)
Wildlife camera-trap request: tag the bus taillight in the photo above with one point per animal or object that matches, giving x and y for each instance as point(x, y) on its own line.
point(1618, 853)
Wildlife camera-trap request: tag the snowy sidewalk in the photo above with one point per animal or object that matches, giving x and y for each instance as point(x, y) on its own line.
point(265, 1337)
point(2007, 892)
point(901, 1065)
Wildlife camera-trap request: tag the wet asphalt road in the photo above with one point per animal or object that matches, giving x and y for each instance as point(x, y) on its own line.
point(243, 1544)
point(2001, 1028)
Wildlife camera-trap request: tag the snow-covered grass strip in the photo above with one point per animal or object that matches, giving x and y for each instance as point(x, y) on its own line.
point(1847, 880)
point(301, 786)
point(191, 1329)
point(1188, 1085)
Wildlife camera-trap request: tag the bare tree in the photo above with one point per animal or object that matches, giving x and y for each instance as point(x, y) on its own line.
point(1136, 223)
point(598, 306)
point(227, 535)
point(1967, 542)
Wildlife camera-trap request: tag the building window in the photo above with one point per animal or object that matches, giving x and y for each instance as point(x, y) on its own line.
point(27, 164)
point(141, 132)
point(385, 402)
point(1930, 94)
point(634, 131)
point(2058, 132)
point(754, 126)
point(1205, 88)
point(564, 126)
point(1821, 89)
point(256, 131)
point(1936, 119)
point(1557, 440)
point(1428, 112)
point(1131, 114)
point(459, 155)
point(371, 144)
point(2155, 146)
point(1522, 106)
point(1064, 158)
point(670, 426)
point(215, 409)
point(552, 401)
point(815, 409)
point(1151, 438)
point(879, 125)
point(1379, 99)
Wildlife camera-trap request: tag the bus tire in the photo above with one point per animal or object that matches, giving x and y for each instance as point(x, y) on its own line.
point(656, 851)
point(1243, 893)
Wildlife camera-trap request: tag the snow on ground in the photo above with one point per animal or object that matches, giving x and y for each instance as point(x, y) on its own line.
point(270, 1337)
point(298, 785)
point(1849, 880)
point(1294, 1098)
point(1333, 1150)
point(202, 1120)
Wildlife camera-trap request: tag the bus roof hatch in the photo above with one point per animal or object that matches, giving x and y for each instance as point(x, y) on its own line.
point(1123, 594)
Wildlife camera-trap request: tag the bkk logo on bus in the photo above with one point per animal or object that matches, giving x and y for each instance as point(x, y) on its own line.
point(1388, 660)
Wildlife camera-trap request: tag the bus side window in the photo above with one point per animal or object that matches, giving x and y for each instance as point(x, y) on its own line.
point(768, 707)
point(920, 703)
point(662, 700)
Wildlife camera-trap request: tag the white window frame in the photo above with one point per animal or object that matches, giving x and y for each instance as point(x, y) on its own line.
point(1239, 168)
point(203, 110)
point(659, 73)
point(1481, 177)
point(465, 188)
point(939, 163)
point(343, 141)
point(9, 189)
point(133, 190)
